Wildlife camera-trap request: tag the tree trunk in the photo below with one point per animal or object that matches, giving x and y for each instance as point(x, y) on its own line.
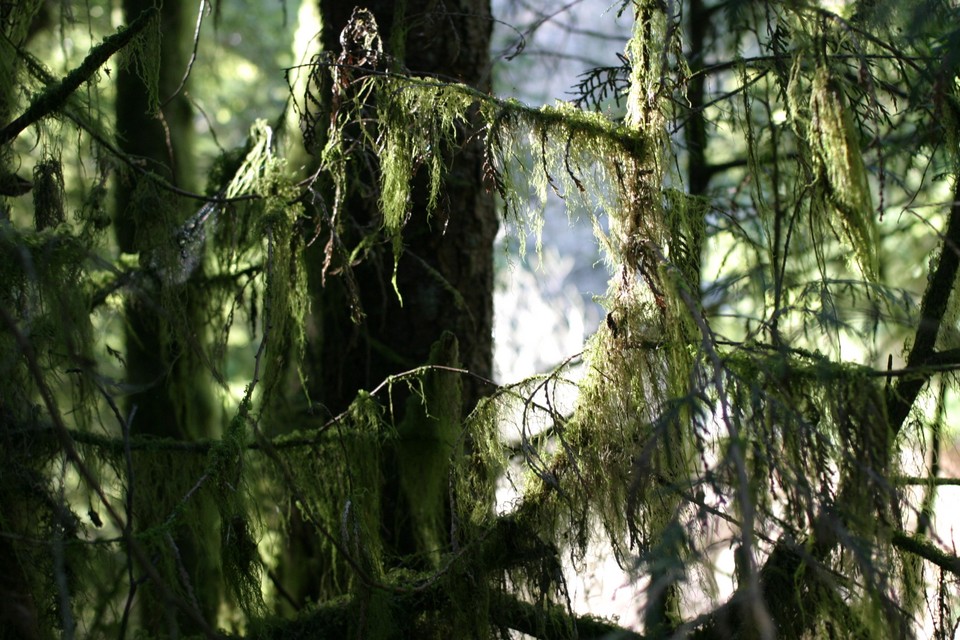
point(444, 275)
point(165, 330)
point(446, 257)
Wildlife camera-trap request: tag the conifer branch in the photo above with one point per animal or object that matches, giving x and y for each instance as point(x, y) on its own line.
point(552, 622)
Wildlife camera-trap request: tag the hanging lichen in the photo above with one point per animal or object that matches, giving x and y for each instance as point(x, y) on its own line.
point(143, 55)
point(421, 121)
point(834, 139)
point(824, 121)
point(48, 194)
point(268, 224)
point(435, 113)
point(226, 476)
point(44, 286)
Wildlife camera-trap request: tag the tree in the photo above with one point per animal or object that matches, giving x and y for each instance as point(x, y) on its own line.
point(774, 172)
point(164, 350)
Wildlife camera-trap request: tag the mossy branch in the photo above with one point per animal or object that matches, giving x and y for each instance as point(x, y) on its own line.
point(293, 440)
point(938, 482)
point(54, 97)
point(553, 621)
point(564, 116)
point(927, 551)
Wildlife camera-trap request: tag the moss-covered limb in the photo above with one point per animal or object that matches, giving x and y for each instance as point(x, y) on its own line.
point(552, 622)
point(327, 620)
point(563, 117)
point(16, 20)
point(302, 438)
point(920, 547)
point(933, 306)
point(941, 482)
point(56, 96)
point(566, 118)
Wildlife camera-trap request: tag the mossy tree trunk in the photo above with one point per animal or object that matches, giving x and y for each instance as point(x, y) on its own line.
point(165, 328)
point(444, 276)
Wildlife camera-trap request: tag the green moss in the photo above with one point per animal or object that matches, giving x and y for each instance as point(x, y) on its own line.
point(835, 143)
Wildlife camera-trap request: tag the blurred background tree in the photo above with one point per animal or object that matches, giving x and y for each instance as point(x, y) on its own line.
point(246, 379)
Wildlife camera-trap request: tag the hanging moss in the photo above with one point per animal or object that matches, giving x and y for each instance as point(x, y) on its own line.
point(435, 111)
point(48, 194)
point(419, 121)
point(226, 474)
point(268, 226)
point(835, 143)
point(44, 285)
point(143, 55)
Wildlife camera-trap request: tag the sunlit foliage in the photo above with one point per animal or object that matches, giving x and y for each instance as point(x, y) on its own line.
point(779, 210)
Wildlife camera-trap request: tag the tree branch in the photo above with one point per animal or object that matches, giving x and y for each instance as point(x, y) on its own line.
point(552, 621)
point(337, 618)
point(927, 551)
point(932, 308)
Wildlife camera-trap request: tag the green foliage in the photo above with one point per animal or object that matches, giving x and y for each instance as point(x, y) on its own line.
point(738, 395)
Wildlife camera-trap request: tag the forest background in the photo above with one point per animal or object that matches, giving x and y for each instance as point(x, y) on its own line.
point(247, 272)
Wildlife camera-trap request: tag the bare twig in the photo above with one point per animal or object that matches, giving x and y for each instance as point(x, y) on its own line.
point(193, 55)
